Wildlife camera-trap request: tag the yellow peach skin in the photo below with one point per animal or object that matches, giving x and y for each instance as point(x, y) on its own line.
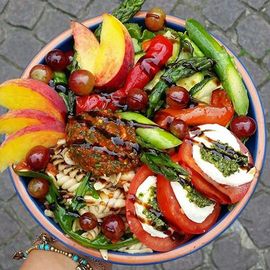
point(32, 94)
point(15, 120)
point(15, 148)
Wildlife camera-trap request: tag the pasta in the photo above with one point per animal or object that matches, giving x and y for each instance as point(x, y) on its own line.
point(67, 175)
point(136, 248)
point(109, 202)
point(91, 234)
point(121, 180)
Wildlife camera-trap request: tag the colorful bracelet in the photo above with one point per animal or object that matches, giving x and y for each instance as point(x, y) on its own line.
point(44, 242)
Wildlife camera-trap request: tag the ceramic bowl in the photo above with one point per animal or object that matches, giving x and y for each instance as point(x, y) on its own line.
point(256, 145)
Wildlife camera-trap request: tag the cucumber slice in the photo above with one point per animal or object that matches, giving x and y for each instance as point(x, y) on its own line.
point(191, 81)
point(150, 86)
point(176, 51)
point(138, 56)
point(203, 90)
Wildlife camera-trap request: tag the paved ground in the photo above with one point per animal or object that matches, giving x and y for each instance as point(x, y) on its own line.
point(27, 25)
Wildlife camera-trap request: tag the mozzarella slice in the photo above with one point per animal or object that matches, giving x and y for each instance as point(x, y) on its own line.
point(222, 134)
point(192, 211)
point(144, 194)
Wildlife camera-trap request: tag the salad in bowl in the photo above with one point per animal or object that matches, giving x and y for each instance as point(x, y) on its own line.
point(133, 136)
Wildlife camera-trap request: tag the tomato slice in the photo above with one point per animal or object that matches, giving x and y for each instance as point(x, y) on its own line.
point(172, 211)
point(155, 243)
point(223, 194)
point(219, 112)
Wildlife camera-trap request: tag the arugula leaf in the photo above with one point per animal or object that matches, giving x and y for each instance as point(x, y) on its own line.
point(101, 242)
point(146, 35)
point(134, 30)
point(69, 100)
point(85, 188)
point(52, 195)
point(74, 64)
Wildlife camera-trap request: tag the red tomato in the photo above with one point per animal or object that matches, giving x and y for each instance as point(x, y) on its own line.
point(155, 243)
point(219, 112)
point(223, 194)
point(172, 211)
point(93, 102)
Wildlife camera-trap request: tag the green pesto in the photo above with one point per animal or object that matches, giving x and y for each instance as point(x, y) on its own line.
point(156, 221)
point(195, 197)
point(224, 158)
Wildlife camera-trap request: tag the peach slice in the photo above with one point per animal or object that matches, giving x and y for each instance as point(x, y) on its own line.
point(16, 146)
point(16, 120)
point(86, 46)
point(32, 94)
point(113, 59)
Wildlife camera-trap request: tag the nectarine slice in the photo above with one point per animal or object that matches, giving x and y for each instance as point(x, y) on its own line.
point(116, 54)
point(15, 148)
point(16, 120)
point(32, 94)
point(86, 46)
point(111, 60)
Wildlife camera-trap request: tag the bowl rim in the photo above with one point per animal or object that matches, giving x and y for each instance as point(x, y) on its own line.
point(186, 249)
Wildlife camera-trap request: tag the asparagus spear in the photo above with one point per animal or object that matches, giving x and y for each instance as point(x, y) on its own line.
point(181, 69)
point(225, 68)
point(161, 163)
point(125, 11)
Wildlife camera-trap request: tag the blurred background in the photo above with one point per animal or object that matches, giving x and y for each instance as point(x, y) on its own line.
point(243, 25)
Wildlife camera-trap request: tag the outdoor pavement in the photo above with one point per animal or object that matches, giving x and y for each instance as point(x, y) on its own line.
point(27, 25)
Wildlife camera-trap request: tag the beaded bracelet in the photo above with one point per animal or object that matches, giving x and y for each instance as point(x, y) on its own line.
point(44, 242)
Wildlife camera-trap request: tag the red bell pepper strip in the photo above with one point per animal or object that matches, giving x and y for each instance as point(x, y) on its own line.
point(157, 55)
point(219, 112)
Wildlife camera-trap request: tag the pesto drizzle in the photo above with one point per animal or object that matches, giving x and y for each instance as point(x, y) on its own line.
point(224, 158)
point(153, 213)
point(195, 197)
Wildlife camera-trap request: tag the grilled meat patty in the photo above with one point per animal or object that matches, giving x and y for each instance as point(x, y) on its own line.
point(102, 144)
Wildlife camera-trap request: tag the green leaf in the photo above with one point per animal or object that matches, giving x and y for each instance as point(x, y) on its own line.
point(69, 100)
point(137, 46)
point(74, 64)
point(101, 242)
point(59, 77)
point(146, 35)
point(52, 195)
point(92, 191)
point(85, 188)
point(134, 30)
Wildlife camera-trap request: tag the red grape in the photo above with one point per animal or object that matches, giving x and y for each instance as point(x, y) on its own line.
point(137, 99)
point(69, 55)
point(38, 188)
point(88, 221)
point(177, 97)
point(41, 73)
point(38, 158)
point(179, 128)
point(81, 82)
point(243, 126)
point(57, 60)
point(155, 19)
point(113, 227)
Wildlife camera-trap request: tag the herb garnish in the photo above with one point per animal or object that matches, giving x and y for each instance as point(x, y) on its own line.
point(195, 197)
point(224, 157)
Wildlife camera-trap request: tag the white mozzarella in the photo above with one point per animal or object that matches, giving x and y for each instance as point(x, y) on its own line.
point(144, 194)
point(192, 211)
point(217, 133)
point(222, 134)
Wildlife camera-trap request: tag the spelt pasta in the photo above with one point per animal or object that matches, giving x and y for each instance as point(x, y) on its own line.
point(111, 201)
point(136, 248)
